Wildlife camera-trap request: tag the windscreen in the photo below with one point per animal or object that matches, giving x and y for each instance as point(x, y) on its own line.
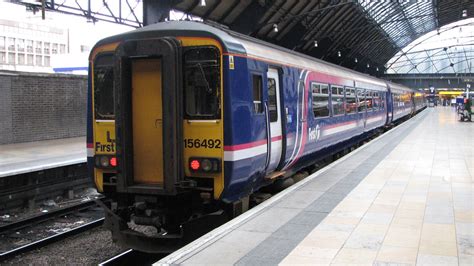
point(103, 87)
point(201, 82)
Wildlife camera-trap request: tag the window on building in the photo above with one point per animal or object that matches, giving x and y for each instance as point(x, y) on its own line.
point(54, 50)
point(38, 60)
point(11, 58)
point(320, 97)
point(62, 48)
point(20, 45)
point(2, 43)
point(38, 47)
point(3, 58)
point(351, 101)
point(11, 44)
point(29, 59)
point(257, 92)
point(29, 46)
point(47, 61)
point(21, 59)
point(46, 47)
point(85, 48)
point(337, 100)
point(272, 100)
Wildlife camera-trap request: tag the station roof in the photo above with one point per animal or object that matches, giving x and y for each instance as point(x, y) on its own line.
point(359, 34)
point(363, 35)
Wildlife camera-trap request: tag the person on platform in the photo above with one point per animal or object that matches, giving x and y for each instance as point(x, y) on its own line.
point(467, 112)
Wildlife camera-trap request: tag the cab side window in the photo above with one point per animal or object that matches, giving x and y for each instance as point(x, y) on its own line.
point(257, 85)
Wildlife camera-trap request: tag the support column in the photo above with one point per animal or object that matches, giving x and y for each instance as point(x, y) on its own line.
point(155, 11)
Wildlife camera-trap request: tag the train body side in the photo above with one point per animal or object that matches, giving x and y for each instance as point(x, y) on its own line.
point(305, 135)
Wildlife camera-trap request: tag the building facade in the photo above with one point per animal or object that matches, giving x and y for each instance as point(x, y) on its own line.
point(29, 47)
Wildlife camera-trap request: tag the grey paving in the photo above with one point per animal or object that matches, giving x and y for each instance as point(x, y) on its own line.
point(21, 158)
point(271, 251)
point(268, 233)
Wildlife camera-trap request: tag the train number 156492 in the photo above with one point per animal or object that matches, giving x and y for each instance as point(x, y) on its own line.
point(202, 143)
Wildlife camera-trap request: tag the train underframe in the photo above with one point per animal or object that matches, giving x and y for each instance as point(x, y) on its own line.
point(161, 224)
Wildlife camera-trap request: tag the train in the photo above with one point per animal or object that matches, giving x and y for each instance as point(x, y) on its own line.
point(187, 120)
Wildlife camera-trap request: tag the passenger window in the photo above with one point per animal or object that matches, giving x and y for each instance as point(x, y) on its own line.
point(272, 100)
point(320, 93)
point(351, 101)
point(370, 100)
point(382, 100)
point(257, 93)
point(201, 82)
point(376, 100)
point(362, 101)
point(104, 87)
point(337, 100)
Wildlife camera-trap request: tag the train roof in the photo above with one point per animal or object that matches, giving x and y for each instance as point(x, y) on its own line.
point(237, 43)
point(395, 87)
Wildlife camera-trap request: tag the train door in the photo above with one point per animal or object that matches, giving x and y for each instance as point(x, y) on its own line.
point(147, 78)
point(274, 116)
point(362, 107)
point(147, 121)
point(389, 106)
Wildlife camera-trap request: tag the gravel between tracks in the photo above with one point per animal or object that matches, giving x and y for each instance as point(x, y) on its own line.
point(88, 248)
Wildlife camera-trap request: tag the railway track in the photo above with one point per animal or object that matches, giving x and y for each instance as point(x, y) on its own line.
point(43, 217)
point(36, 220)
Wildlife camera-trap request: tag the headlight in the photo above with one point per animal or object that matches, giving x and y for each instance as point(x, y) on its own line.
point(206, 165)
point(104, 161)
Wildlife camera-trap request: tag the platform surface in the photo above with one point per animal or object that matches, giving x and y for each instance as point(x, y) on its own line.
point(404, 198)
point(27, 157)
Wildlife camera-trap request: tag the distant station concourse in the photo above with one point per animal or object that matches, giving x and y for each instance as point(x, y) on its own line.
point(404, 198)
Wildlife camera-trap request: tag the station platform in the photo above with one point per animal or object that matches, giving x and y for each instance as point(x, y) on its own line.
point(27, 157)
point(404, 198)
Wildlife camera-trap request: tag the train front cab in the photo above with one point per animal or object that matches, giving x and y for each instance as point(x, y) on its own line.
point(101, 118)
point(169, 141)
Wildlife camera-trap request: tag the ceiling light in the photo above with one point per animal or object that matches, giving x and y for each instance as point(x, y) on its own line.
point(368, 65)
point(377, 69)
point(355, 60)
point(202, 3)
point(339, 53)
point(275, 27)
point(464, 13)
point(315, 43)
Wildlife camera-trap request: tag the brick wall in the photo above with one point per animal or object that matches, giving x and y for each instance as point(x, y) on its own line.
point(41, 106)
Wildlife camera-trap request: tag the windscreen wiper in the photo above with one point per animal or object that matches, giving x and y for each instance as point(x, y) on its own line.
point(208, 88)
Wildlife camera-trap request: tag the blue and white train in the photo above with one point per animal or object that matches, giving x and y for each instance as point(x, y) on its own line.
point(187, 120)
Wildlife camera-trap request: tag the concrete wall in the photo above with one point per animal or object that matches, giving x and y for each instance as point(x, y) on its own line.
point(41, 106)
